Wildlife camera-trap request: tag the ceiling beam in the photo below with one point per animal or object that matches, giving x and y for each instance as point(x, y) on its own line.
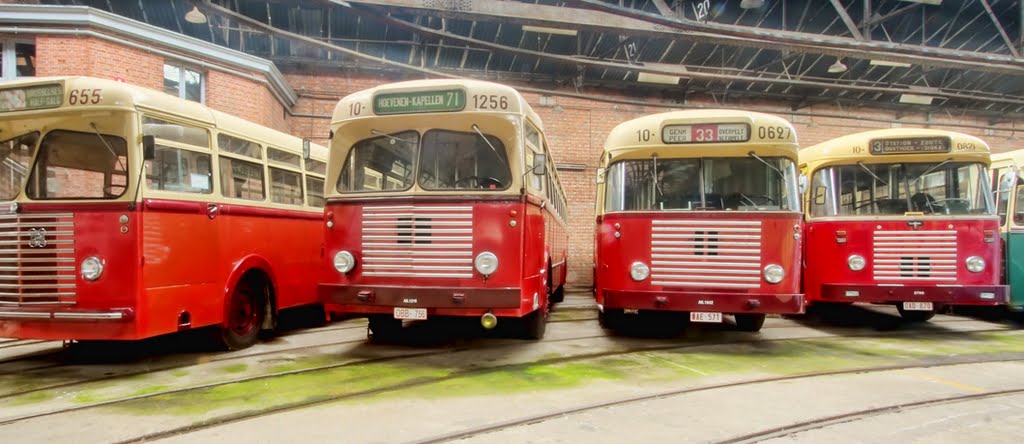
point(999, 27)
point(848, 21)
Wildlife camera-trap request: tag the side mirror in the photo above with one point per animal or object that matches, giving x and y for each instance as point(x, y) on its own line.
point(148, 148)
point(802, 183)
point(305, 149)
point(539, 164)
point(600, 175)
point(1007, 182)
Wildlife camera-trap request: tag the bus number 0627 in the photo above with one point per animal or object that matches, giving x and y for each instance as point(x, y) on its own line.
point(772, 132)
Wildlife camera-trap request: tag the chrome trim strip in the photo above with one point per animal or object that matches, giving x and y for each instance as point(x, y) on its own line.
point(903, 272)
point(55, 277)
point(75, 315)
point(407, 274)
point(916, 250)
point(558, 264)
point(414, 267)
point(410, 239)
point(420, 230)
point(708, 256)
point(386, 208)
point(416, 246)
point(657, 237)
point(913, 238)
point(930, 256)
point(41, 286)
point(703, 284)
point(415, 215)
point(24, 315)
point(656, 250)
point(46, 303)
point(914, 278)
point(660, 243)
point(675, 277)
point(7, 294)
point(433, 223)
point(671, 270)
point(376, 259)
point(913, 234)
point(33, 260)
point(718, 229)
point(911, 261)
point(48, 242)
point(728, 223)
point(35, 215)
point(756, 264)
point(37, 268)
point(417, 253)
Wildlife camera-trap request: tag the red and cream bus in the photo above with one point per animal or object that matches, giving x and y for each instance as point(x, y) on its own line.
point(904, 217)
point(698, 212)
point(128, 213)
point(443, 201)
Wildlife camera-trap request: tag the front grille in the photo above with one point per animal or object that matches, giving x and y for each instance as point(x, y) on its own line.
point(418, 241)
point(722, 254)
point(915, 255)
point(37, 259)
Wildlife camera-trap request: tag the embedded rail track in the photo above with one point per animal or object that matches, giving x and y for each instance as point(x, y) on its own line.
point(413, 383)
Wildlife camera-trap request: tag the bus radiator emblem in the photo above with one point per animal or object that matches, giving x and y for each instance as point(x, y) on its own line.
point(37, 237)
point(915, 224)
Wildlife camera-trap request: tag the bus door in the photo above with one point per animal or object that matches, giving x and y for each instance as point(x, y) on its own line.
point(180, 242)
point(1010, 200)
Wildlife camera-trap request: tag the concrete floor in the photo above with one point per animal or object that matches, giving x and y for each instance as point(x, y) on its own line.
point(498, 379)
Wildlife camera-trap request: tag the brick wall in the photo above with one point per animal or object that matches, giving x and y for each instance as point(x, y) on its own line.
point(577, 129)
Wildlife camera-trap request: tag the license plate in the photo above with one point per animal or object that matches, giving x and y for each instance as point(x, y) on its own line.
point(704, 316)
point(410, 313)
point(918, 306)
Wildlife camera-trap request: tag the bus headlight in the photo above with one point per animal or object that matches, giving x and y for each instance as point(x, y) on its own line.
point(639, 271)
point(856, 262)
point(344, 262)
point(486, 263)
point(975, 264)
point(91, 268)
point(774, 274)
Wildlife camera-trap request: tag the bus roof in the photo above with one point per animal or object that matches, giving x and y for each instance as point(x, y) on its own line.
point(897, 145)
point(113, 94)
point(644, 136)
point(1009, 158)
point(478, 95)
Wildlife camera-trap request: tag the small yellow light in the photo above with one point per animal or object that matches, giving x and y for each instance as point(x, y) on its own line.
point(488, 321)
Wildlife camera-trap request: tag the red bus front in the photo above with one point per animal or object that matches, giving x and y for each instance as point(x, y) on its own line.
point(709, 236)
point(437, 221)
point(918, 235)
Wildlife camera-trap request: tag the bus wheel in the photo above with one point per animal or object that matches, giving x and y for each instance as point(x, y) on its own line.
point(609, 318)
point(534, 325)
point(915, 315)
point(750, 322)
point(383, 328)
point(246, 312)
point(558, 295)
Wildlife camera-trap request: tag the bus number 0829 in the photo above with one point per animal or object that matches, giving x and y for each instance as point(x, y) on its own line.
point(772, 132)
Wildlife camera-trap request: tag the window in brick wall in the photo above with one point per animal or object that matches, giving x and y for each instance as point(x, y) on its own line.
point(17, 59)
point(185, 83)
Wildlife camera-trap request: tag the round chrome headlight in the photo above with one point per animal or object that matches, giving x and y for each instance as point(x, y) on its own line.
point(774, 274)
point(486, 263)
point(856, 262)
point(639, 271)
point(975, 264)
point(344, 262)
point(91, 268)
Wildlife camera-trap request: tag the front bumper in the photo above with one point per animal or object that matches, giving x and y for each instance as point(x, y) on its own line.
point(704, 301)
point(951, 294)
point(123, 314)
point(439, 301)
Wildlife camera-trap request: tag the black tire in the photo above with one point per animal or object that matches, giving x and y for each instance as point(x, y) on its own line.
point(610, 319)
point(383, 328)
point(534, 325)
point(558, 295)
point(751, 322)
point(915, 315)
point(247, 310)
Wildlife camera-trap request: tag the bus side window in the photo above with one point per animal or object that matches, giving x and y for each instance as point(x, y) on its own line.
point(536, 182)
point(285, 187)
point(1003, 201)
point(241, 179)
point(1018, 202)
point(183, 171)
point(314, 191)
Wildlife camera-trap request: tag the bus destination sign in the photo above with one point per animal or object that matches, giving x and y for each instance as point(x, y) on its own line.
point(31, 97)
point(916, 145)
point(706, 133)
point(420, 102)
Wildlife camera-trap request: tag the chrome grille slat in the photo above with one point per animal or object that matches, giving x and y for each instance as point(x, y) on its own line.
point(718, 254)
point(915, 255)
point(418, 241)
point(37, 259)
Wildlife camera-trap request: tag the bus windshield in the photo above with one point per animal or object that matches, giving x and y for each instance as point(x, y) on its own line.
point(79, 165)
point(16, 154)
point(725, 183)
point(447, 160)
point(932, 188)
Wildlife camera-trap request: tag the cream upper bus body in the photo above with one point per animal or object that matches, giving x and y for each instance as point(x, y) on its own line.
point(463, 106)
point(89, 105)
point(679, 134)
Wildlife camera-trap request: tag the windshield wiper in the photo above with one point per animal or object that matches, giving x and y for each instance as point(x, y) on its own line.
point(116, 157)
point(488, 142)
point(773, 167)
point(389, 136)
point(933, 168)
point(865, 167)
